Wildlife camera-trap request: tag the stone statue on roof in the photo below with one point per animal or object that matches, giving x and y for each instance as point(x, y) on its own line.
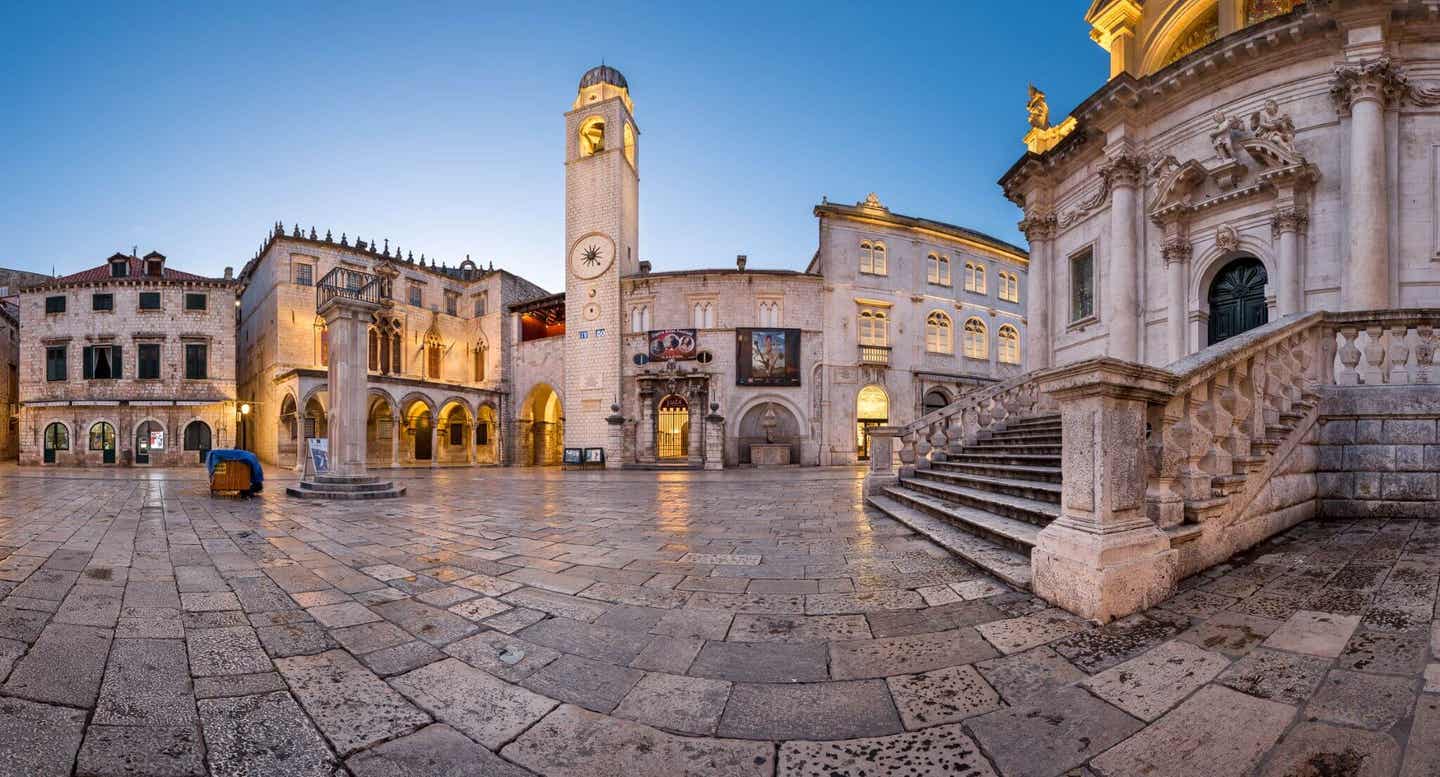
point(1038, 110)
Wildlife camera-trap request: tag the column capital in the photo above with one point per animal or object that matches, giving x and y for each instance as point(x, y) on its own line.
point(1377, 80)
point(1038, 225)
point(1122, 169)
point(1176, 250)
point(1293, 219)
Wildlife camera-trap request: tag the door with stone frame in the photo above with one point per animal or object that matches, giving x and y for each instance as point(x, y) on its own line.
point(1237, 299)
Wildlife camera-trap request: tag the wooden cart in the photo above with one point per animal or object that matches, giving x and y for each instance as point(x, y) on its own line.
point(231, 477)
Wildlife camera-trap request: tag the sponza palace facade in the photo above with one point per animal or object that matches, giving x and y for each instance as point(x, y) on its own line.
point(475, 365)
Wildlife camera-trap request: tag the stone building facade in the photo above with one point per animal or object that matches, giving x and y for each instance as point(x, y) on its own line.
point(131, 363)
point(438, 352)
point(9, 377)
point(1247, 160)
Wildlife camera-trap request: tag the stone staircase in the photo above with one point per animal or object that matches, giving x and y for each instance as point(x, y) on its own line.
point(341, 487)
point(986, 501)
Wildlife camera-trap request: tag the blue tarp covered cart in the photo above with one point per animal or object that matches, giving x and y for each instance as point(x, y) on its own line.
point(234, 470)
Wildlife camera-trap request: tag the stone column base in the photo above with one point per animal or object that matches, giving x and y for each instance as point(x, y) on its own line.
point(1103, 576)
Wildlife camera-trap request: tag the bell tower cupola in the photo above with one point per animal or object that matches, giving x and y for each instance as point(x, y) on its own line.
point(602, 244)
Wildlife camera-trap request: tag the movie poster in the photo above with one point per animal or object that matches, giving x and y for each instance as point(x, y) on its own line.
point(672, 345)
point(767, 357)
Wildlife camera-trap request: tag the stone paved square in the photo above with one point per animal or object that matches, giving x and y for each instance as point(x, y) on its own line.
point(446, 660)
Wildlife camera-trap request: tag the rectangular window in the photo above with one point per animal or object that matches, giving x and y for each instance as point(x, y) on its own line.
point(416, 297)
point(305, 274)
point(196, 361)
point(481, 304)
point(452, 302)
point(1082, 285)
point(457, 434)
point(149, 300)
point(54, 304)
point(119, 269)
point(100, 362)
point(872, 329)
point(195, 301)
point(482, 433)
point(148, 361)
point(55, 362)
point(102, 301)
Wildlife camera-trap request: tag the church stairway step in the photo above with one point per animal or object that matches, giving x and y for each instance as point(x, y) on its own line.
point(1038, 490)
point(1002, 459)
point(1023, 436)
point(1040, 474)
point(1039, 421)
point(374, 485)
point(1004, 561)
point(389, 492)
point(1019, 508)
point(986, 446)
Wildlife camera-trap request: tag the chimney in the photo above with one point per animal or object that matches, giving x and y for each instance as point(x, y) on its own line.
point(229, 273)
point(740, 262)
point(644, 266)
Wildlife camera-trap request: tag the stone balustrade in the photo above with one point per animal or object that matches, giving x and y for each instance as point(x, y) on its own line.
point(1169, 471)
point(965, 420)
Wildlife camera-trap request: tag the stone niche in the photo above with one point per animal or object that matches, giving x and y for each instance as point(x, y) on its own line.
point(769, 436)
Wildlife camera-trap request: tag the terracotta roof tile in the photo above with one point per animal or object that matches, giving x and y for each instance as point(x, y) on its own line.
point(137, 270)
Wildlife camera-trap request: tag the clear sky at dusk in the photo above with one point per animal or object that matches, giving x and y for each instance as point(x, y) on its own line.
point(191, 128)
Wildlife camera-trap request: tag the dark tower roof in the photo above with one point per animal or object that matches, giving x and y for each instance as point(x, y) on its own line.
point(603, 74)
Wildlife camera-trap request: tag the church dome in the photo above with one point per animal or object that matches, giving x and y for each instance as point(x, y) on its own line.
point(603, 74)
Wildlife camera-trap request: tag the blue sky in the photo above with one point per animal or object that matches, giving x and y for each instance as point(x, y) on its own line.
point(439, 126)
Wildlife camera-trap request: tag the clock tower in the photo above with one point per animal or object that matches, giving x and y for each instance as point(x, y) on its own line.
point(602, 194)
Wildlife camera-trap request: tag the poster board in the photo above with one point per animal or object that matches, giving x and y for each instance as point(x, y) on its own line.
point(767, 357)
point(667, 345)
point(317, 456)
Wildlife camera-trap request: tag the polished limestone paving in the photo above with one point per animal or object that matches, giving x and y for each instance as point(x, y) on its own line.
point(517, 622)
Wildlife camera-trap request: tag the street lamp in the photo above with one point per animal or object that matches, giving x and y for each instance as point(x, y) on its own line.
point(244, 417)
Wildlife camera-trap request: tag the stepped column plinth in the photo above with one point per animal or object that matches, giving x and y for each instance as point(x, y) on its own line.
point(1103, 558)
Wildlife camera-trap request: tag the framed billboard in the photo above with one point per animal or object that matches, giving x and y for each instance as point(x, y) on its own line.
point(672, 345)
point(767, 357)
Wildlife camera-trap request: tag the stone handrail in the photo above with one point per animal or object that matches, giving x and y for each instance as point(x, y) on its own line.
point(963, 420)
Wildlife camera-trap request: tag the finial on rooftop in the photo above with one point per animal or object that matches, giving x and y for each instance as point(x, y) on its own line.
point(387, 246)
point(297, 229)
point(327, 237)
point(342, 239)
point(410, 257)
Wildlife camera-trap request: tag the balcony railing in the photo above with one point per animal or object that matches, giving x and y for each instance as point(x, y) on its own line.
point(348, 283)
point(875, 354)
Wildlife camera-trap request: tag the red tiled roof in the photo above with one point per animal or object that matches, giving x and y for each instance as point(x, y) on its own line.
point(137, 270)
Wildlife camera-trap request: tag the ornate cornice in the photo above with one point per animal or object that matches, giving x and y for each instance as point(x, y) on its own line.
point(1378, 79)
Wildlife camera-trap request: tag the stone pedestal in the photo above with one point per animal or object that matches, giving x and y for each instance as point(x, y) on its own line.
point(714, 441)
point(882, 459)
point(769, 454)
point(1103, 558)
point(615, 439)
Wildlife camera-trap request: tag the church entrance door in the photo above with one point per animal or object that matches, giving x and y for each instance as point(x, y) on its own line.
point(1237, 299)
point(672, 433)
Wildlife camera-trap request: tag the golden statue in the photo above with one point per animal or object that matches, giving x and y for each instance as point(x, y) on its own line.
point(1038, 110)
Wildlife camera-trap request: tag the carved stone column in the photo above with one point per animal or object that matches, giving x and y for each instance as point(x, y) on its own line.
point(1103, 558)
point(1287, 225)
point(1176, 253)
point(615, 440)
point(1362, 90)
point(1039, 229)
point(1122, 291)
point(348, 322)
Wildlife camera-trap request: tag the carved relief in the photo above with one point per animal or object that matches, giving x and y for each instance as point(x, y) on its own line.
point(1226, 238)
point(1176, 249)
point(1223, 137)
point(1088, 205)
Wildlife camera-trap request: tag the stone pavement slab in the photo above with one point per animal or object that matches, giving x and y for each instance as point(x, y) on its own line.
point(942, 750)
point(762, 662)
point(234, 650)
point(1045, 737)
point(38, 740)
point(485, 708)
point(685, 705)
point(1033, 673)
point(1359, 699)
point(593, 685)
point(1027, 631)
point(1385, 653)
point(352, 707)
point(941, 696)
point(1315, 633)
point(602, 643)
point(143, 751)
point(1232, 633)
point(263, 735)
point(835, 710)
point(1320, 749)
point(1149, 685)
point(1422, 753)
point(1272, 674)
point(572, 742)
point(509, 658)
point(65, 666)
point(435, 751)
point(906, 655)
point(147, 683)
point(1215, 733)
point(749, 627)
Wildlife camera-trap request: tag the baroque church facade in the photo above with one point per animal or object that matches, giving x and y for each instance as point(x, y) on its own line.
point(1247, 160)
point(893, 316)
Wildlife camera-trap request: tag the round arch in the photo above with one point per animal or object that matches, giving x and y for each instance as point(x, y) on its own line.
point(287, 430)
point(197, 437)
point(112, 435)
point(790, 426)
point(55, 437)
point(417, 437)
point(453, 425)
point(1208, 266)
point(408, 401)
point(540, 427)
point(380, 422)
point(1165, 34)
point(315, 413)
point(487, 433)
point(872, 408)
point(145, 451)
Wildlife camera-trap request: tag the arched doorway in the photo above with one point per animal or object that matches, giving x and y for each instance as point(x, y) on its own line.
point(421, 424)
point(57, 438)
point(540, 431)
point(289, 423)
point(102, 438)
point(197, 438)
point(315, 423)
point(454, 433)
point(672, 431)
point(149, 441)
point(935, 399)
point(379, 432)
point(485, 444)
point(872, 408)
point(1237, 299)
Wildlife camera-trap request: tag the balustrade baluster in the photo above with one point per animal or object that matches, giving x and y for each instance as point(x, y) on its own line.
point(1398, 354)
point(1372, 373)
point(1424, 352)
point(1349, 352)
point(1163, 501)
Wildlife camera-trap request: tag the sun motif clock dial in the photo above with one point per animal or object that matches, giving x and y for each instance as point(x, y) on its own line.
point(591, 255)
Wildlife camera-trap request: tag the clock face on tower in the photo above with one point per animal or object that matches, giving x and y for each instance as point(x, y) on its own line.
point(591, 255)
